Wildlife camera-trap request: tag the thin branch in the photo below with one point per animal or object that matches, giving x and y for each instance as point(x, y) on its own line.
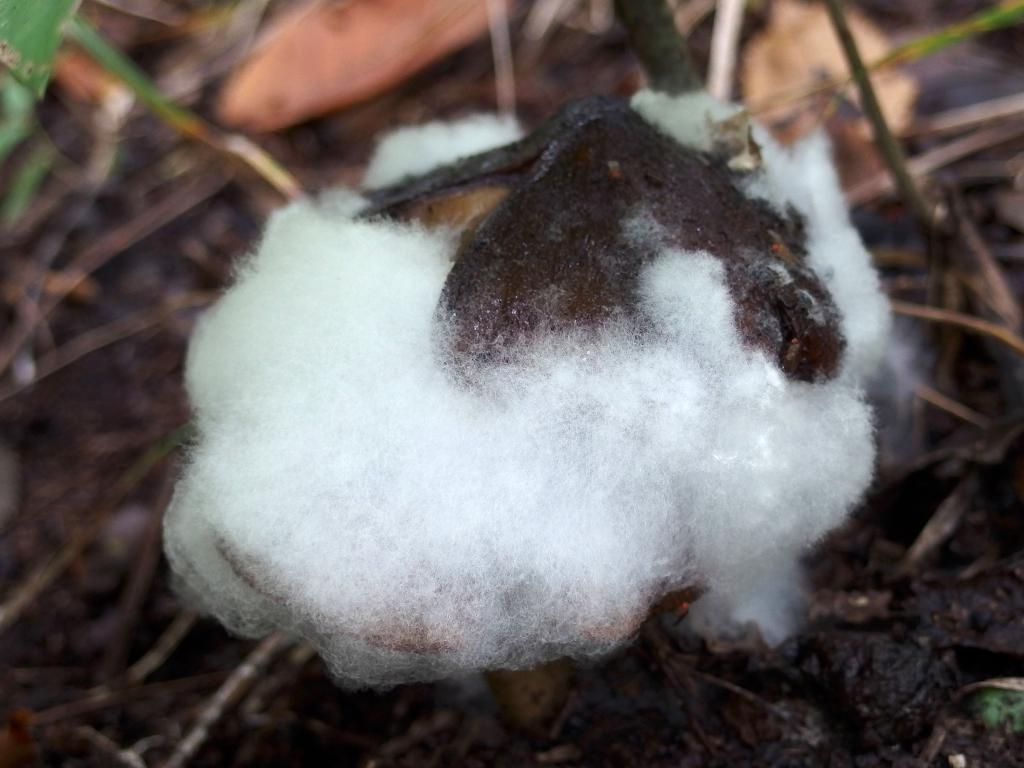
point(111, 752)
point(953, 407)
point(501, 51)
point(229, 694)
point(165, 645)
point(891, 151)
point(941, 156)
point(960, 320)
point(26, 592)
point(178, 117)
point(971, 116)
point(659, 46)
point(942, 524)
point(725, 39)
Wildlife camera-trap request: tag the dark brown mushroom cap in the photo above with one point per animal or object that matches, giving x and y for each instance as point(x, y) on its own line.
point(554, 253)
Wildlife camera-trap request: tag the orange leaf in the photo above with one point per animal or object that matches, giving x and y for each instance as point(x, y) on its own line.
point(328, 54)
point(17, 749)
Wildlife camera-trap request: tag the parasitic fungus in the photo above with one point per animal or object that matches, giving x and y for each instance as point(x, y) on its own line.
point(490, 414)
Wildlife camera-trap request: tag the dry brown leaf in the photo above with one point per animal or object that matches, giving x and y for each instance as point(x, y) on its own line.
point(798, 49)
point(328, 54)
point(17, 748)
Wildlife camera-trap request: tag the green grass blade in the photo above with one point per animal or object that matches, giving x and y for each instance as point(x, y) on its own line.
point(1003, 15)
point(27, 180)
point(125, 69)
point(17, 119)
point(30, 31)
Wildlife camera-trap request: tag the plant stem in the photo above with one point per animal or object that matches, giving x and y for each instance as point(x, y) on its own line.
point(891, 150)
point(178, 117)
point(659, 46)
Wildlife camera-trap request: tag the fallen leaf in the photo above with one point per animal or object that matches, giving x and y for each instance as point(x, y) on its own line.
point(329, 54)
point(798, 50)
point(17, 748)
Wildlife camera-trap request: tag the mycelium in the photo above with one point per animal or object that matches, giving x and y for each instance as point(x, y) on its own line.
point(499, 414)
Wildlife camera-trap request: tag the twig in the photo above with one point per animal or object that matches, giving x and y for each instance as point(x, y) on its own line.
point(887, 144)
point(543, 16)
point(690, 14)
point(272, 685)
point(659, 46)
point(725, 38)
point(113, 753)
point(147, 559)
point(941, 525)
point(182, 120)
point(179, 201)
point(991, 295)
point(162, 648)
point(105, 335)
point(229, 693)
point(959, 319)
point(106, 699)
point(970, 116)
point(52, 243)
point(39, 579)
point(987, 20)
point(946, 403)
point(501, 51)
point(934, 159)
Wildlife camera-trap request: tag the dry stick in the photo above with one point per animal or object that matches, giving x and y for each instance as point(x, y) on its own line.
point(105, 335)
point(133, 596)
point(229, 693)
point(39, 579)
point(542, 18)
point(946, 403)
point(658, 44)
point(887, 144)
point(725, 38)
point(177, 203)
point(113, 753)
point(690, 14)
point(96, 702)
point(960, 320)
point(971, 116)
point(165, 645)
point(934, 159)
point(992, 297)
point(943, 523)
point(501, 51)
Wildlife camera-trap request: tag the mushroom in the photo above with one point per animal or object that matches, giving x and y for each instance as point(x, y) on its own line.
point(493, 414)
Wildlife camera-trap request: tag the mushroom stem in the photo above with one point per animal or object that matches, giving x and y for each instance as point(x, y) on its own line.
point(659, 46)
point(531, 699)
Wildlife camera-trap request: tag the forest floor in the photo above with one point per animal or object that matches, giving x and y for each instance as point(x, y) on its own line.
point(916, 604)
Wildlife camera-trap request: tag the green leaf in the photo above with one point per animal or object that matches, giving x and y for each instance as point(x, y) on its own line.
point(17, 119)
point(29, 176)
point(998, 708)
point(30, 31)
point(1005, 14)
point(129, 73)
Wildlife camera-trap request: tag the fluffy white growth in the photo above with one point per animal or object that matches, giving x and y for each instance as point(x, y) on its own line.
point(803, 177)
point(417, 149)
point(348, 488)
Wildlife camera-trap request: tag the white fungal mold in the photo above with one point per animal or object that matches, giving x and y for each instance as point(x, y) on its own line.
point(345, 487)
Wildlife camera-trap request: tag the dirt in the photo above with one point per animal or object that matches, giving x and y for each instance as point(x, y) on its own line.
point(897, 626)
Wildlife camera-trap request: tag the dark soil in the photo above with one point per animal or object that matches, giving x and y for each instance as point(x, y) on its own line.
point(918, 596)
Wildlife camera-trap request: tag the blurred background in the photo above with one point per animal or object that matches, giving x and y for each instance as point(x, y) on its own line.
point(168, 131)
